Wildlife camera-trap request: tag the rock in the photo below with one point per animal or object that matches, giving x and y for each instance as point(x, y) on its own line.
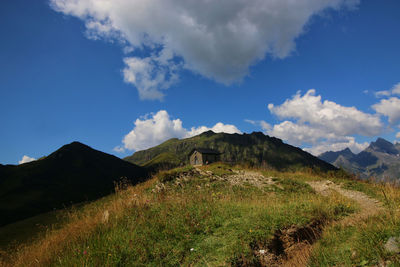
point(106, 214)
point(354, 255)
point(393, 245)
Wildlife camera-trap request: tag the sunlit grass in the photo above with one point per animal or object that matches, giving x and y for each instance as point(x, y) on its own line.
point(201, 221)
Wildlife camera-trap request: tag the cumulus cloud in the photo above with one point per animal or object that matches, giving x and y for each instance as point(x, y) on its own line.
point(321, 125)
point(26, 159)
point(327, 115)
point(398, 135)
point(156, 128)
point(390, 108)
point(216, 39)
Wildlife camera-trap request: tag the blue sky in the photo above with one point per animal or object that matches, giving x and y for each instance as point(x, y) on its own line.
point(130, 75)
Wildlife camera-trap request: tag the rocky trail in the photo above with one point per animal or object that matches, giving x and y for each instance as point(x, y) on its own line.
point(368, 205)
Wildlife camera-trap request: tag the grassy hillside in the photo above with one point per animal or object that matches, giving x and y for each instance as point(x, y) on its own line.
point(254, 149)
point(162, 161)
point(220, 215)
point(72, 174)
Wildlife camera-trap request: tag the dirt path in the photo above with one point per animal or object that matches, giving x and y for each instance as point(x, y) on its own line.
point(293, 246)
point(299, 253)
point(368, 206)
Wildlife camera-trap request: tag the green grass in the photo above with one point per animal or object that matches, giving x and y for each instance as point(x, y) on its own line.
point(164, 160)
point(357, 245)
point(170, 175)
point(218, 168)
point(200, 221)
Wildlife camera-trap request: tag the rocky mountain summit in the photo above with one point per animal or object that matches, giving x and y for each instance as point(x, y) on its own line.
point(381, 160)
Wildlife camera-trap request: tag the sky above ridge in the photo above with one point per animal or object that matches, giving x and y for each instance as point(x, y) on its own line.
point(125, 75)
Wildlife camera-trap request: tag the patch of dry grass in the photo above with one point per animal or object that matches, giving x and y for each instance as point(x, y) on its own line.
point(82, 224)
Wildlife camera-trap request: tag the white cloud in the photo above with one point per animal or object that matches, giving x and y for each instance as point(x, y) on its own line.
point(26, 159)
point(156, 128)
point(119, 149)
point(322, 126)
point(390, 108)
point(217, 128)
point(217, 39)
point(150, 75)
point(327, 115)
point(298, 134)
point(263, 124)
point(398, 135)
point(383, 93)
point(394, 91)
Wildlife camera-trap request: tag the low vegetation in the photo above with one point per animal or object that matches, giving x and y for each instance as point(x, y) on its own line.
point(207, 217)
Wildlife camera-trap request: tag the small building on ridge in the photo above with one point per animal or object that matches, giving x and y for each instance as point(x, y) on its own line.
point(203, 156)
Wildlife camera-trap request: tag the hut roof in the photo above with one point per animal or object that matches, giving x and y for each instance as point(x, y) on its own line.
point(205, 151)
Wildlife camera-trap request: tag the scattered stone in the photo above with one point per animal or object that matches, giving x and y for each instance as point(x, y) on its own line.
point(354, 255)
point(393, 245)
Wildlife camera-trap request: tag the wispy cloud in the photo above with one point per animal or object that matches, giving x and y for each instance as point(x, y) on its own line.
point(385, 93)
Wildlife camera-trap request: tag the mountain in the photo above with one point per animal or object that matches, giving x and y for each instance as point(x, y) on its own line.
point(72, 174)
point(255, 149)
point(331, 156)
point(380, 160)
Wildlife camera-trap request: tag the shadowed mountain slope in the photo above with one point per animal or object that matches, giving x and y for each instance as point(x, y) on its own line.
point(255, 149)
point(331, 156)
point(72, 174)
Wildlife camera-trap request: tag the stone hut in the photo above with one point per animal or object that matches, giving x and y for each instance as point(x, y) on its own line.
point(202, 156)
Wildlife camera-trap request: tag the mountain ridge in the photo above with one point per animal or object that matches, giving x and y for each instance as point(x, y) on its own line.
point(380, 160)
point(71, 174)
point(255, 149)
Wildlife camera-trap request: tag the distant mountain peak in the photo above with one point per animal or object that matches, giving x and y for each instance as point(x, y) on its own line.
point(347, 150)
point(383, 146)
point(380, 160)
point(332, 156)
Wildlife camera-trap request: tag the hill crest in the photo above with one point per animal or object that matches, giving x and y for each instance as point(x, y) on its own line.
point(73, 173)
point(255, 149)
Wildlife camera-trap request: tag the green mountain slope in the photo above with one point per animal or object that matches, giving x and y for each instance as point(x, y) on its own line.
point(72, 174)
point(255, 149)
